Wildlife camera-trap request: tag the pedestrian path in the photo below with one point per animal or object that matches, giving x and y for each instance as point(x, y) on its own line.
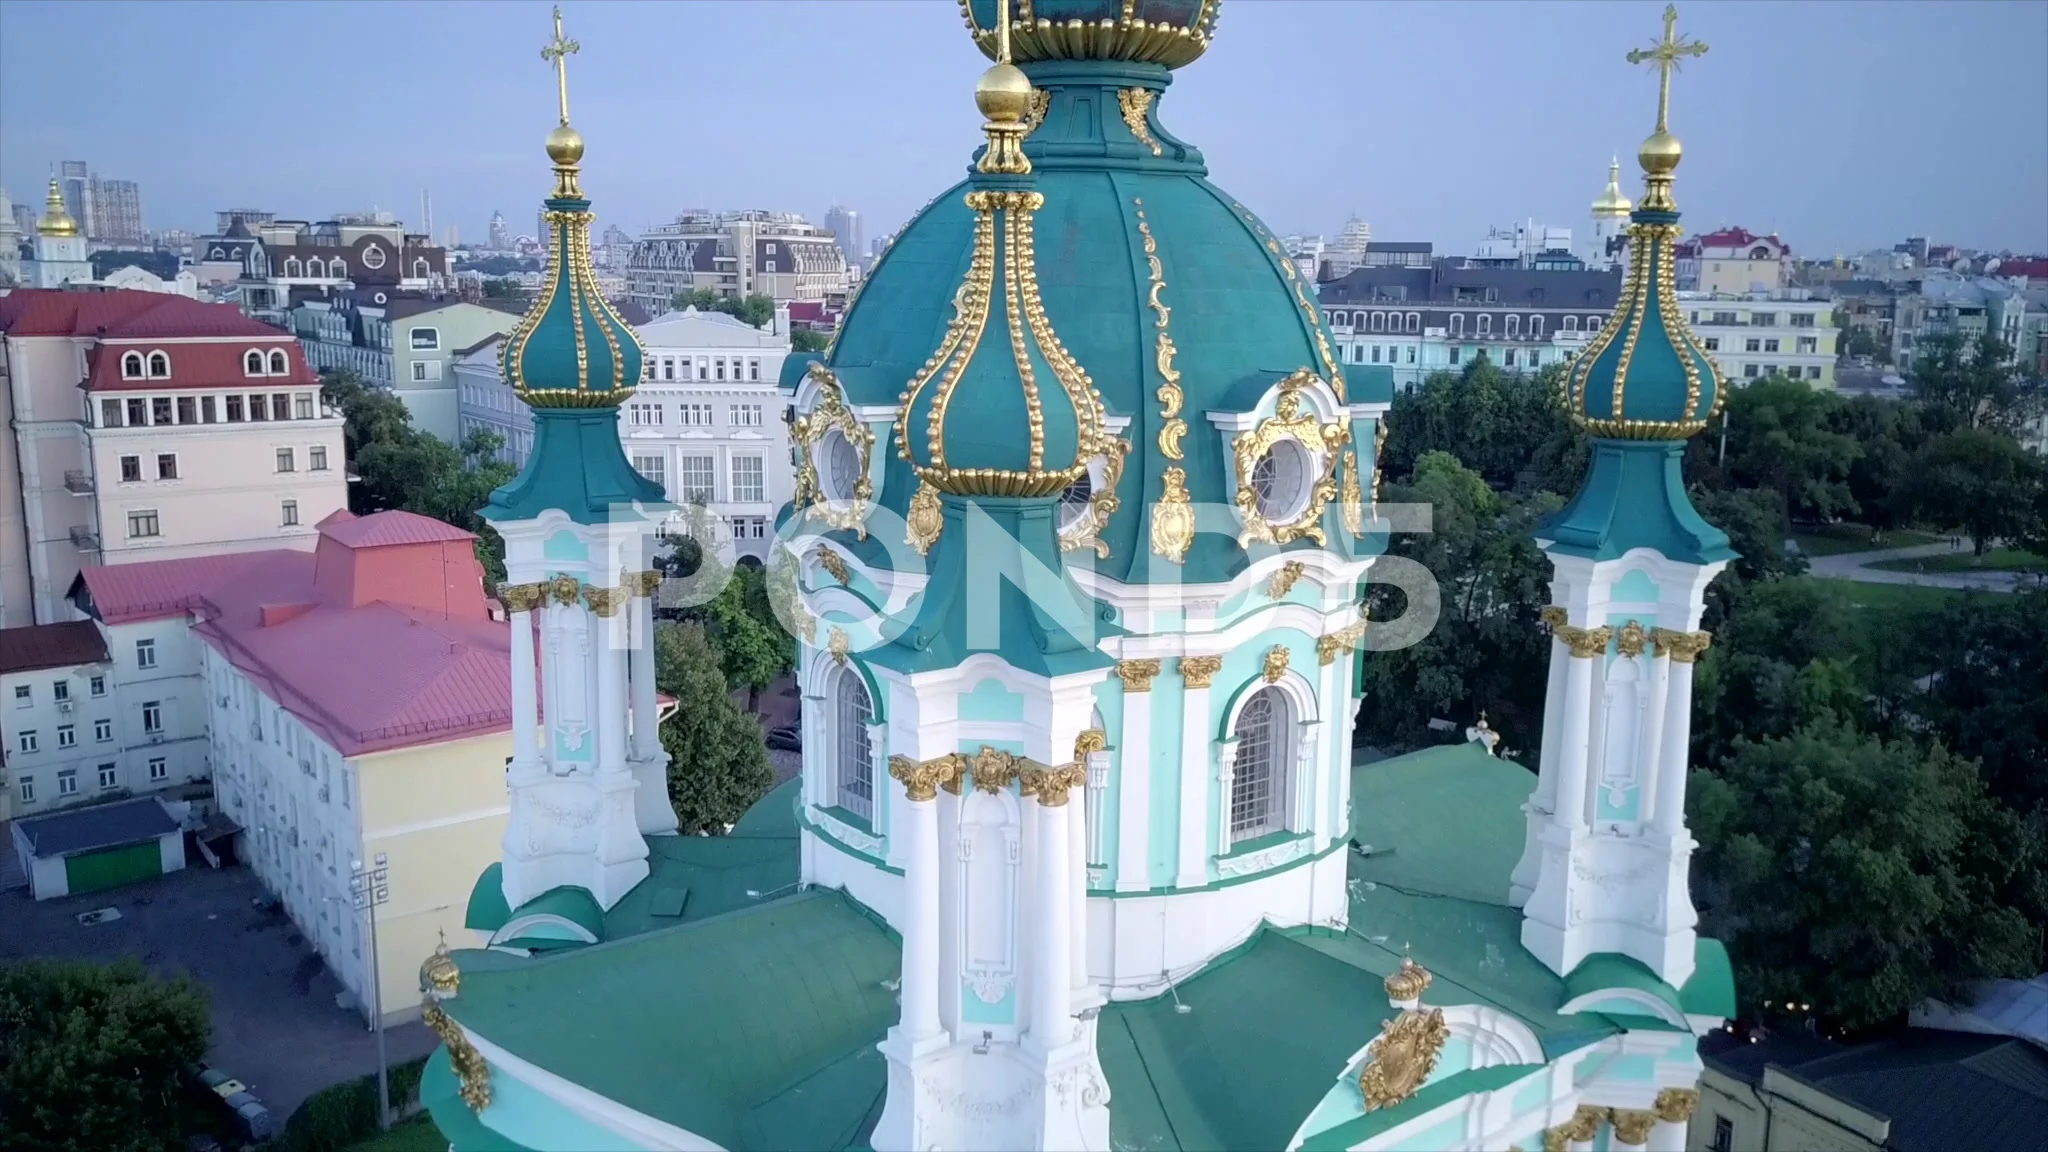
point(1857, 566)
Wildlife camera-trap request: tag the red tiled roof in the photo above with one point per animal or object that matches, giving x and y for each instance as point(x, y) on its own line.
point(51, 646)
point(1738, 238)
point(385, 528)
point(2028, 267)
point(199, 366)
point(370, 678)
point(123, 314)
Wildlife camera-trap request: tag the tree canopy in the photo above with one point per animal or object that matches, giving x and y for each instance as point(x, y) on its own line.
point(718, 765)
point(91, 1056)
point(1979, 480)
point(1974, 382)
point(807, 340)
point(756, 309)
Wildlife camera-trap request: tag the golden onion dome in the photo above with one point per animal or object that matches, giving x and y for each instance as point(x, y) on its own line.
point(56, 221)
point(1611, 201)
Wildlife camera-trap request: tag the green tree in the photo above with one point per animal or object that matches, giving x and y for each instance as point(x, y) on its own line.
point(756, 309)
point(1975, 382)
point(91, 1056)
point(1987, 695)
point(369, 414)
point(1886, 433)
point(1487, 651)
point(807, 340)
point(1788, 653)
point(1510, 428)
point(506, 290)
point(1861, 875)
point(1754, 520)
point(754, 646)
point(1981, 481)
point(718, 764)
point(1780, 436)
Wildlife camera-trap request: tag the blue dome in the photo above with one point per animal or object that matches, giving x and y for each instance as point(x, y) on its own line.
point(572, 349)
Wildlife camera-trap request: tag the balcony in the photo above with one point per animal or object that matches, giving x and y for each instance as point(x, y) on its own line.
point(83, 539)
point(78, 483)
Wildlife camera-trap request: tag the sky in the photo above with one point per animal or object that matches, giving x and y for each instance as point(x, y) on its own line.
point(1841, 125)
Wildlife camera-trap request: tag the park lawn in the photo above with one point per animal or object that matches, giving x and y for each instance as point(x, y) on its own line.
point(1836, 539)
point(415, 1135)
point(1895, 596)
point(1996, 560)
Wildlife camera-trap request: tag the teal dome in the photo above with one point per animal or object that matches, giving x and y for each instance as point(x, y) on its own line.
point(1149, 276)
point(572, 350)
point(1645, 376)
point(1168, 32)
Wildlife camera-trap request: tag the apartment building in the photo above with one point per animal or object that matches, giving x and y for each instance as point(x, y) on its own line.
point(776, 254)
point(271, 259)
point(1736, 262)
point(151, 426)
point(407, 343)
point(1766, 335)
point(1418, 320)
point(357, 710)
point(706, 422)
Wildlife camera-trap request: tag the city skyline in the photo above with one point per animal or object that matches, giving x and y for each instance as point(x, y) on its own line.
point(1769, 144)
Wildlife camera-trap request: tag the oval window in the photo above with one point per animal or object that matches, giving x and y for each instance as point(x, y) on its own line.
point(1281, 480)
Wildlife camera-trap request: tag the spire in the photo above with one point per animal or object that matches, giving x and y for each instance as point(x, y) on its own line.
point(973, 394)
point(572, 350)
point(1645, 376)
point(56, 221)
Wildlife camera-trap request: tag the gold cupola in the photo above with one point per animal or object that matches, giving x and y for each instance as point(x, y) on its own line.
point(56, 221)
point(1612, 204)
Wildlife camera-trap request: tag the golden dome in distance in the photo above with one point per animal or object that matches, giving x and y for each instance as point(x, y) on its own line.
point(56, 221)
point(565, 146)
point(1003, 94)
point(1612, 202)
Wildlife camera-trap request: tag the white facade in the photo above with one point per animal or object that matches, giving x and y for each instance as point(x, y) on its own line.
point(1757, 336)
point(706, 422)
point(59, 260)
point(136, 723)
point(1606, 864)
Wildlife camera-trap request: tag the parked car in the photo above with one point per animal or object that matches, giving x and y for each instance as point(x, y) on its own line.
point(250, 1119)
point(788, 738)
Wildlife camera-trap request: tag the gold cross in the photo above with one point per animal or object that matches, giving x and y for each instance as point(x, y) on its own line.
point(1665, 54)
point(556, 52)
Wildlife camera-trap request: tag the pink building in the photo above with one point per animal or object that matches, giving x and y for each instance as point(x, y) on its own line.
point(143, 426)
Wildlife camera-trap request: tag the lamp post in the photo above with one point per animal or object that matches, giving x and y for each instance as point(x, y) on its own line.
point(370, 889)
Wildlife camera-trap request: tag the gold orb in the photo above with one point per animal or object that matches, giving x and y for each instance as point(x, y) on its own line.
point(565, 146)
point(1660, 154)
point(1003, 94)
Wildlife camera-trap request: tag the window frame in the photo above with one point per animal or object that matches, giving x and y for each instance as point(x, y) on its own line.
point(853, 784)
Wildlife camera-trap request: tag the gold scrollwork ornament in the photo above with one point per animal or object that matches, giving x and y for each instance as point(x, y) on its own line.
point(565, 590)
point(1354, 496)
point(808, 431)
point(834, 564)
point(921, 527)
point(1315, 438)
point(1173, 517)
point(1199, 670)
point(838, 645)
point(1276, 664)
point(1284, 579)
point(1401, 1058)
point(1675, 1105)
point(1631, 639)
point(1136, 103)
point(1137, 674)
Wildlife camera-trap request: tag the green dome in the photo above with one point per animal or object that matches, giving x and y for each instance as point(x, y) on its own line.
point(572, 350)
point(1224, 314)
point(1645, 376)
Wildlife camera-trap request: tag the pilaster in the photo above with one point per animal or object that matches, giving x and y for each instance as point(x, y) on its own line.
point(1192, 853)
point(1134, 778)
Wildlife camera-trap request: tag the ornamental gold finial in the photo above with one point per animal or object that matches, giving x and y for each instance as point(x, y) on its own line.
point(565, 144)
point(1004, 96)
point(1661, 152)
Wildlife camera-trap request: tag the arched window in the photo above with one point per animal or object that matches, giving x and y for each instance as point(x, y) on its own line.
point(279, 364)
point(291, 266)
point(1457, 323)
point(1536, 327)
point(338, 269)
point(1514, 323)
point(1379, 321)
point(419, 268)
point(159, 364)
point(1571, 323)
point(1486, 323)
point(1415, 321)
point(1261, 779)
point(131, 366)
point(252, 363)
point(853, 761)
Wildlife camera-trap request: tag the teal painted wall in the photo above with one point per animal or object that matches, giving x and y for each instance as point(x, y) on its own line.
point(975, 1010)
point(533, 1121)
point(564, 548)
point(990, 701)
point(1636, 587)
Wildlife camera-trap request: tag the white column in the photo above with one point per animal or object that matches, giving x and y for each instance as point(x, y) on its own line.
point(1077, 886)
point(1226, 770)
point(1572, 747)
point(1667, 1137)
point(1553, 704)
point(1050, 967)
point(525, 688)
point(1305, 779)
point(920, 988)
point(1192, 855)
point(1098, 808)
point(1649, 752)
point(1134, 793)
point(611, 690)
point(646, 736)
point(1677, 737)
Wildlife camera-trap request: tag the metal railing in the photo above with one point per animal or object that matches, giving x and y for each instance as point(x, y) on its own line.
point(78, 483)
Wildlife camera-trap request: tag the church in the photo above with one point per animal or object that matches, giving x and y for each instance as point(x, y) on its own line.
point(1080, 855)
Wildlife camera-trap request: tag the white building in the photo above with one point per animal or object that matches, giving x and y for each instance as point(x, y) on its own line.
point(1348, 250)
point(89, 711)
point(60, 248)
point(706, 422)
point(776, 254)
point(1754, 336)
point(151, 426)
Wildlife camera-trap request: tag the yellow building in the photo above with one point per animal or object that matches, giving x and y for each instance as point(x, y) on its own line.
point(1755, 336)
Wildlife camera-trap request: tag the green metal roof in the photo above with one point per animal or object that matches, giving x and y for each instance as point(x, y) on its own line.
point(1634, 497)
point(1639, 367)
point(578, 466)
point(440, 1095)
point(572, 341)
